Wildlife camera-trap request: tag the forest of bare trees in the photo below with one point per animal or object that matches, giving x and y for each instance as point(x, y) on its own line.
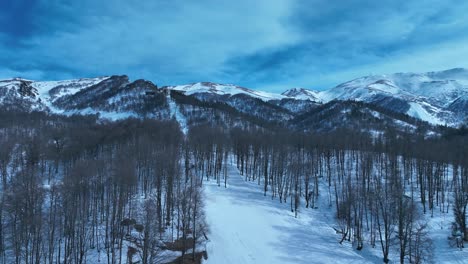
point(378, 185)
point(76, 188)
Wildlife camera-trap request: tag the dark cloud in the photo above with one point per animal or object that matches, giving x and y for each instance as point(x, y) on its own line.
point(268, 44)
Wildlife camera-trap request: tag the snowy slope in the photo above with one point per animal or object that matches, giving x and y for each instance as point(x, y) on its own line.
point(43, 94)
point(50, 91)
point(362, 89)
point(302, 94)
point(436, 97)
point(230, 89)
point(112, 97)
point(418, 111)
point(19, 94)
point(177, 114)
point(440, 88)
point(224, 89)
point(247, 227)
point(427, 95)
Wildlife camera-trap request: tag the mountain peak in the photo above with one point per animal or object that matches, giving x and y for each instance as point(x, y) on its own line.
point(456, 70)
point(437, 97)
point(302, 94)
point(451, 74)
point(223, 89)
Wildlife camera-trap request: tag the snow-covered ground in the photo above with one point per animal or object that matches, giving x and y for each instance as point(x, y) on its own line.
point(247, 227)
point(225, 89)
point(439, 231)
point(416, 110)
point(175, 112)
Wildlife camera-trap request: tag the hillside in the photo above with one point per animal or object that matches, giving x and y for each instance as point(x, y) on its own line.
point(117, 170)
point(439, 98)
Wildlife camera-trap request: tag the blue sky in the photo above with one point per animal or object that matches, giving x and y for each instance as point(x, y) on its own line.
point(264, 44)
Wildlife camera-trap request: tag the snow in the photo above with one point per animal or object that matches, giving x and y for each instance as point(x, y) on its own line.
point(247, 227)
point(416, 110)
point(175, 112)
point(362, 89)
point(433, 90)
point(225, 89)
point(384, 87)
point(114, 115)
point(102, 114)
point(231, 89)
point(69, 86)
point(439, 227)
point(302, 94)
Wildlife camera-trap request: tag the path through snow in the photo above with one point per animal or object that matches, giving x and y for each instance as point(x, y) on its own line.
point(175, 112)
point(247, 227)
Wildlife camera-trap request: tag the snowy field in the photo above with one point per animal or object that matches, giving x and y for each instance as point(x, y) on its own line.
point(247, 227)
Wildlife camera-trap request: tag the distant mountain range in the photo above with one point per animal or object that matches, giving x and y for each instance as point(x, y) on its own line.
point(436, 97)
point(439, 98)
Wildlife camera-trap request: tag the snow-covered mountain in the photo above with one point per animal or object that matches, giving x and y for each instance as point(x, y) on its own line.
point(302, 94)
point(50, 91)
point(19, 94)
point(435, 97)
point(112, 97)
point(203, 88)
point(41, 95)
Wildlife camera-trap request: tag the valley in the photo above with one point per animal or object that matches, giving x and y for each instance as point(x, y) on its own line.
point(118, 171)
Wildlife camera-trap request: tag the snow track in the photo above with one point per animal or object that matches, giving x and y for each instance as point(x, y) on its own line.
point(175, 112)
point(247, 227)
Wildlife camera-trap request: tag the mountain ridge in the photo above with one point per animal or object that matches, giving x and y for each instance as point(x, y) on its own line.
point(440, 98)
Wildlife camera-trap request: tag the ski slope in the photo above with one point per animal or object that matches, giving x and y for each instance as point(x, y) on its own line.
point(175, 112)
point(247, 227)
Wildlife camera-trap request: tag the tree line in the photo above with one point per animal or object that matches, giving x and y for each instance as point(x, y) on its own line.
point(76, 188)
point(379, 185)
point(82, 190)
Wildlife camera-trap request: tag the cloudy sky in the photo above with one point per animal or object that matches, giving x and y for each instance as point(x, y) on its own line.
point(263, 44)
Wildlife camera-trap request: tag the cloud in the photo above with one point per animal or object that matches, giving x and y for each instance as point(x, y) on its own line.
point(6, 73)
point(268, 44)
point(178, 39)
point(436, 57)
point(349, 39)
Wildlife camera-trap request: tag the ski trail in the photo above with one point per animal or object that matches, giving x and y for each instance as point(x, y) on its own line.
point(247, 227)
point(175, 112)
